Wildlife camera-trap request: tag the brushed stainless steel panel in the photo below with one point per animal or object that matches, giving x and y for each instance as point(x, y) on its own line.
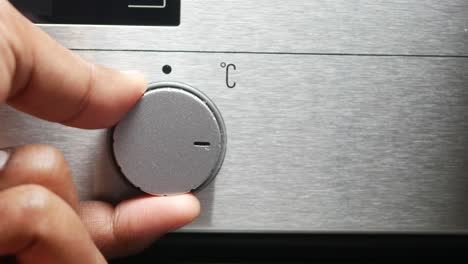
point(315, 143)
point(428, 27)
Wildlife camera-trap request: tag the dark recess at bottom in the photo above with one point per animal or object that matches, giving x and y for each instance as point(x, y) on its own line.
point(269, 248)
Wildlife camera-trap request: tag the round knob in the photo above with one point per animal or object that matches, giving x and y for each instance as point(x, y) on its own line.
point(173, 141)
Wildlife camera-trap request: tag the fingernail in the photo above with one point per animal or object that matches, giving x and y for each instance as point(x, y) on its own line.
point(4, 157)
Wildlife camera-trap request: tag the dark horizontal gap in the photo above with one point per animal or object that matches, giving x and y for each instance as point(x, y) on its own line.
point(202, 144)
point(301, 248)
point(283, 53)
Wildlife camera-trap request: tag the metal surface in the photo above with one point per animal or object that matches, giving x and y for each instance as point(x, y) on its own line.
point(171, 142)
point(346, 115)
point(422, 27)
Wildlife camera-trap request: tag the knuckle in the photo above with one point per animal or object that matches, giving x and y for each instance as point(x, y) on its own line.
point(5, 15)
point(7, 63)
point(121, 229)
point(37, 208)
point(51, 163)
point(54, 154)
point(34, 202)
point(42, 165)
point(16, 51)
point(117, 227)
point(84, 98)
point(25, 210)
point(3, 9)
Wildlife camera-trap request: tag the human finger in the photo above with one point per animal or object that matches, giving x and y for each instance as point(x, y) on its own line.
point(42, 78)
point(41, 165)
point(36, 226)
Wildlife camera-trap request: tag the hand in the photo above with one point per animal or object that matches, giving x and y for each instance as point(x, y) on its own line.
point(41, 219)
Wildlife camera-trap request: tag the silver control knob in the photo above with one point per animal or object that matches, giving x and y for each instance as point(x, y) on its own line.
point(173, 141)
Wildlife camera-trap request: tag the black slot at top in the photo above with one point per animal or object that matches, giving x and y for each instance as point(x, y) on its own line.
point(103, 12)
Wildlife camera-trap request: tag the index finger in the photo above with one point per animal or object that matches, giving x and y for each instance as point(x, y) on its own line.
point(42, 78)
